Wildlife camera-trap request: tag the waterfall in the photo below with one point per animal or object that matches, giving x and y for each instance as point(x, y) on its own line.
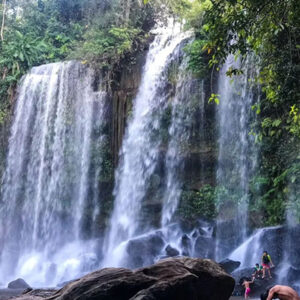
point(290, 251)
point(179, 136)
point(50, 183)
point(237, 151)
point(142, 146)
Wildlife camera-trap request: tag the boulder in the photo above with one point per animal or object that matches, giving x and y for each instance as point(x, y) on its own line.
point(206, 228)
point(246, 272)
point(6, 294)
point(229, 265)
point(195, 233)
point(204, 247)
point(171, 278)
point(259, 286)
point(38, 294)
point(18, 284)
point(202, 232)
point(62, 284)
point(143, 251)
point(170, 251)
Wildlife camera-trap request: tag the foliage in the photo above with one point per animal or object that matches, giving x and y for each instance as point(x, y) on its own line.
point(44, 31)
point(197, 59)
point(198, 204)
point(294, 121)
point(32, 36)
point(110, 45)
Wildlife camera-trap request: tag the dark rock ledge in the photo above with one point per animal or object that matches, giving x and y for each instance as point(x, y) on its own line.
point(171, 278)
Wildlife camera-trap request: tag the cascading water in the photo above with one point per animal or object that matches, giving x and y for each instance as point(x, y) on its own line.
point(237, 152)
point(189, 97)
point(290, 263)
point(141, 149)
point(179, 135)
point(49, 183)
point(250, 252)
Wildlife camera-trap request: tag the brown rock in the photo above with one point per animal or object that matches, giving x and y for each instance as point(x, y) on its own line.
point(169, 279)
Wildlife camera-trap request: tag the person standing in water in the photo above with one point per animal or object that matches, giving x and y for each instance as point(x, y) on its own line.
point(267, 263)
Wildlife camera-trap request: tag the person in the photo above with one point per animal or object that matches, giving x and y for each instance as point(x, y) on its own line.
point(246, 284)
point(266, 261)
point(283, 293)
point(258, 270)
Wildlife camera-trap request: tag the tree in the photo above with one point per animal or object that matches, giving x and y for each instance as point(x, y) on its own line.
point(3, 19)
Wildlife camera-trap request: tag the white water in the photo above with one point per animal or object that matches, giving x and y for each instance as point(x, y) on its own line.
point(292, 214)
point(249, 253)
point(49, 181)
point(141, 146)
point(179, 135)
point(237, 150)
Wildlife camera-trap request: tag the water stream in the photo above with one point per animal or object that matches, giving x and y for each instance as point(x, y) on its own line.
point(237, 151)
point(144, 144)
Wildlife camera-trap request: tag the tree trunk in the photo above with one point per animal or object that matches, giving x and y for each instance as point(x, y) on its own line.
point(3, 19)
point(126, 11)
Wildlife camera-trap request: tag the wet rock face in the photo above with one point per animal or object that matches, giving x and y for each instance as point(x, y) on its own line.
point(144, 250)
point(242, 273)
point(227, 235)
point(205, 247)
point(18, 284)
point(172, 278)
point(186, 245)
point(125, 86)
point(229, 265)
point(273, 241)
point(170, 251)
point(293, 275)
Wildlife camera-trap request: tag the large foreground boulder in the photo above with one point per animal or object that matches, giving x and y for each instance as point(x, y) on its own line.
point(171, 278)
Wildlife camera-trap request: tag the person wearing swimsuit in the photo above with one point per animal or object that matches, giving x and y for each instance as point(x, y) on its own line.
point(246, 284)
